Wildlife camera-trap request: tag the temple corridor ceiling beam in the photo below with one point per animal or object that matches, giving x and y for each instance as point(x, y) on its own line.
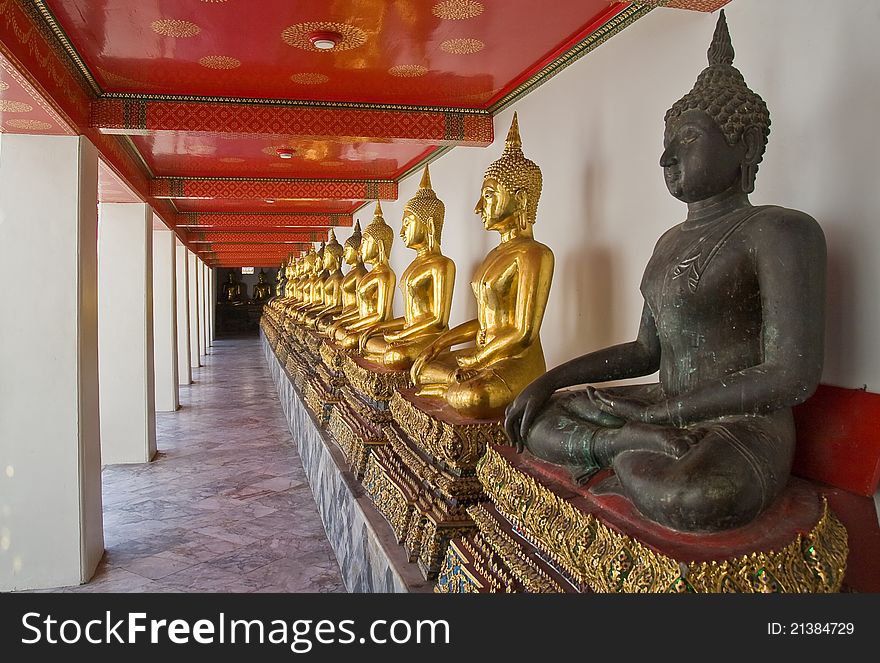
point(274, 189)
point(141, 115)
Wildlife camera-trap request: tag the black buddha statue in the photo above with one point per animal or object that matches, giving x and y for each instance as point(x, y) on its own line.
point(733, 319)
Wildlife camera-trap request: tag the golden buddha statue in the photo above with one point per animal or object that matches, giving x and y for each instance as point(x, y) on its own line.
point(303, 289)
point(313, 282)
point(511, 287)
point(375, 290)
point(294, 278)
point(315, 287)
point(426, 284)
point(351, 255)
point(262, 290)
point(331, 294)
point(280, 284)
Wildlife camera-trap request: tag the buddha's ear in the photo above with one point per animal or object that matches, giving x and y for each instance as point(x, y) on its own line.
point(753, 145)
point(432, 237)
point(753, 142)
point(522, 199)
point(383, 256)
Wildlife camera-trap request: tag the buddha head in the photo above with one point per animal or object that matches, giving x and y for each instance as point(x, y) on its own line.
point(352, 248)
point(511, 187)
point(318, 262)
point(332, 253)
point(377, 239)
point(716, 134)
point(423, 217)
point(307, 265)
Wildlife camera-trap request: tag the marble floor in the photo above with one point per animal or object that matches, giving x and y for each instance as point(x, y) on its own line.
point(225, 506)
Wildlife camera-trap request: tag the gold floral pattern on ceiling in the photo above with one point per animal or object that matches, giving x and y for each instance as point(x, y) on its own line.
point(463, 46)
point(408, 70)
point(172, 27)
point(7, 106)
point(456, 10)
point(298, 35)
point(219, 62)
point(231, 160)
point(4, 86)
point(29, 124)
point(309, 78)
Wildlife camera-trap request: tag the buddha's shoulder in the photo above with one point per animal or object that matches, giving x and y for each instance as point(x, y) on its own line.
point(530, 247)
point(774, 220)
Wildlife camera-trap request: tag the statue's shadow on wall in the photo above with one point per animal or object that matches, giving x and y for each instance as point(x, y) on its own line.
point(585, 278)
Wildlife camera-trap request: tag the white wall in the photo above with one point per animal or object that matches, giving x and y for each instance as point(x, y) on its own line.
point(596, 131)
point(51, 530)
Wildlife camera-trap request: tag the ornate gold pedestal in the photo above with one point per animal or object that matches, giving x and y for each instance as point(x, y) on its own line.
point(321, 385)
point(532, 538)
point(425, 479)
point(359, 419)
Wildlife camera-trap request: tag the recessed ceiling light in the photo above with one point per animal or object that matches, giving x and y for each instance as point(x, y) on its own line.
point(270, 200)
point(285, 153)
point(325, 40)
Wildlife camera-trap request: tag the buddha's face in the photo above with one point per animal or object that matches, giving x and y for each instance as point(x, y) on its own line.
point(697, 161)
point(330, 261)
point(351, 255)
point(414, 231)
point(369, 249)
point(496, 206)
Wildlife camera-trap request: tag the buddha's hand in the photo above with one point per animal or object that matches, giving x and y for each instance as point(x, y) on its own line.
point(468, 359)
point(428, 355)
point(629, 408)
point(521, 413)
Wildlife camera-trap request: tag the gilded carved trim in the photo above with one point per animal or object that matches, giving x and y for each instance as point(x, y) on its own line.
point(604, 560)
point(379, 386)
point(459, 445)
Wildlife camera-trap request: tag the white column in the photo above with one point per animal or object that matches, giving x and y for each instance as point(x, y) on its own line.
point(165, 321)
point(125, 332)
point(202, 317)
point(51, 528)
point(205, 316)
point(184, 370)
point(211, 299)
point(194, 326)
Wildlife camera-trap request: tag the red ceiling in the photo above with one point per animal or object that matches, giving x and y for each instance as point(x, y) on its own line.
point(23, 110)
point(156, 46)
point(201, 154)
point(410, 75)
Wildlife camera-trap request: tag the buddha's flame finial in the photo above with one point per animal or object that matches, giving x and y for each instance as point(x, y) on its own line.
point(378, 210)
point(332, 237)
point(721, 50)
point(513, 140)
point(426, 179)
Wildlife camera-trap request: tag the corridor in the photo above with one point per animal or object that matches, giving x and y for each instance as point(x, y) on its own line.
point(225, 506)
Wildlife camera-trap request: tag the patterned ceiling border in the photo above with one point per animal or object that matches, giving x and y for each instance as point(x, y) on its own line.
point(64, 41)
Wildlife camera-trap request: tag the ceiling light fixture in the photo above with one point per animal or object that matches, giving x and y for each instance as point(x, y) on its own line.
point(270, 200)
point(285, 153)
point(325, 40)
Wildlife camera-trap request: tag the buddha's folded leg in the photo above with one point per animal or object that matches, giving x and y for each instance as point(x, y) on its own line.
point(437, 374)
point(401, 355)
point(733, 471)
point(375, 348)
point(559, 436)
